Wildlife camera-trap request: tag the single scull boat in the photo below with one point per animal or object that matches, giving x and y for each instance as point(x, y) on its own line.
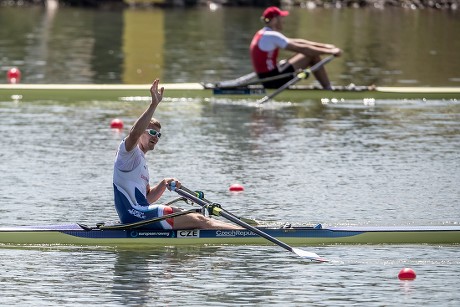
point(77, 234)
point(124, 92)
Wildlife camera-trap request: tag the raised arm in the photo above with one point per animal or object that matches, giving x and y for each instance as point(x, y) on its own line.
point(143, 121)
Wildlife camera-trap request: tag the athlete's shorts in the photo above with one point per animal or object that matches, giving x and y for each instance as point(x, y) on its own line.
point(129, 213)
point(275, 72)
point(166, 223)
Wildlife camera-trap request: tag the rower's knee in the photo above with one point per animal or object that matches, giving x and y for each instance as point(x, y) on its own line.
point(314, 60)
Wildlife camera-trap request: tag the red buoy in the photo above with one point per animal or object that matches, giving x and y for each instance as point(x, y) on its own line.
point(116, 124)
point(407, 274)
point(13, 75)
point(236, 187)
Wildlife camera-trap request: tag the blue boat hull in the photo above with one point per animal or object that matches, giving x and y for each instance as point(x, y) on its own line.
point(74, 234)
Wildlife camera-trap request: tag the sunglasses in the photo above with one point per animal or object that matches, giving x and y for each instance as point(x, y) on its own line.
point(153, 132)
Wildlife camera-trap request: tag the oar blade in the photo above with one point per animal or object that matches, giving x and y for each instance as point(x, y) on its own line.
point(308, 255)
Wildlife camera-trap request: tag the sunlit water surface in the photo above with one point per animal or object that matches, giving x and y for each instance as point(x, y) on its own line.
point(392, 163)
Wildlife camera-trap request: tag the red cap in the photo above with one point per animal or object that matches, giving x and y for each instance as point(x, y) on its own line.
point(272, 12)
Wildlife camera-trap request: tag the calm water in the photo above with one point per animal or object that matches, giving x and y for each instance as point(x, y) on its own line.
point(395, 163)
point(383, 47)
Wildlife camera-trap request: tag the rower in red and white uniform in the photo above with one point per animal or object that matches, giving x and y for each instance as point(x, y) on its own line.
point(265, 47)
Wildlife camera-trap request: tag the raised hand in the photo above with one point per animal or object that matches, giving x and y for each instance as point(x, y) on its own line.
point(157, 95)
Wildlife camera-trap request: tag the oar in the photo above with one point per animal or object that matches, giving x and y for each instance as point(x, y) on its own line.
point(217, 210)
point(245, 80)
point(200, 195)
point(142, 223)
point(301, 75)
point(228, 84)
point(241, 81)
